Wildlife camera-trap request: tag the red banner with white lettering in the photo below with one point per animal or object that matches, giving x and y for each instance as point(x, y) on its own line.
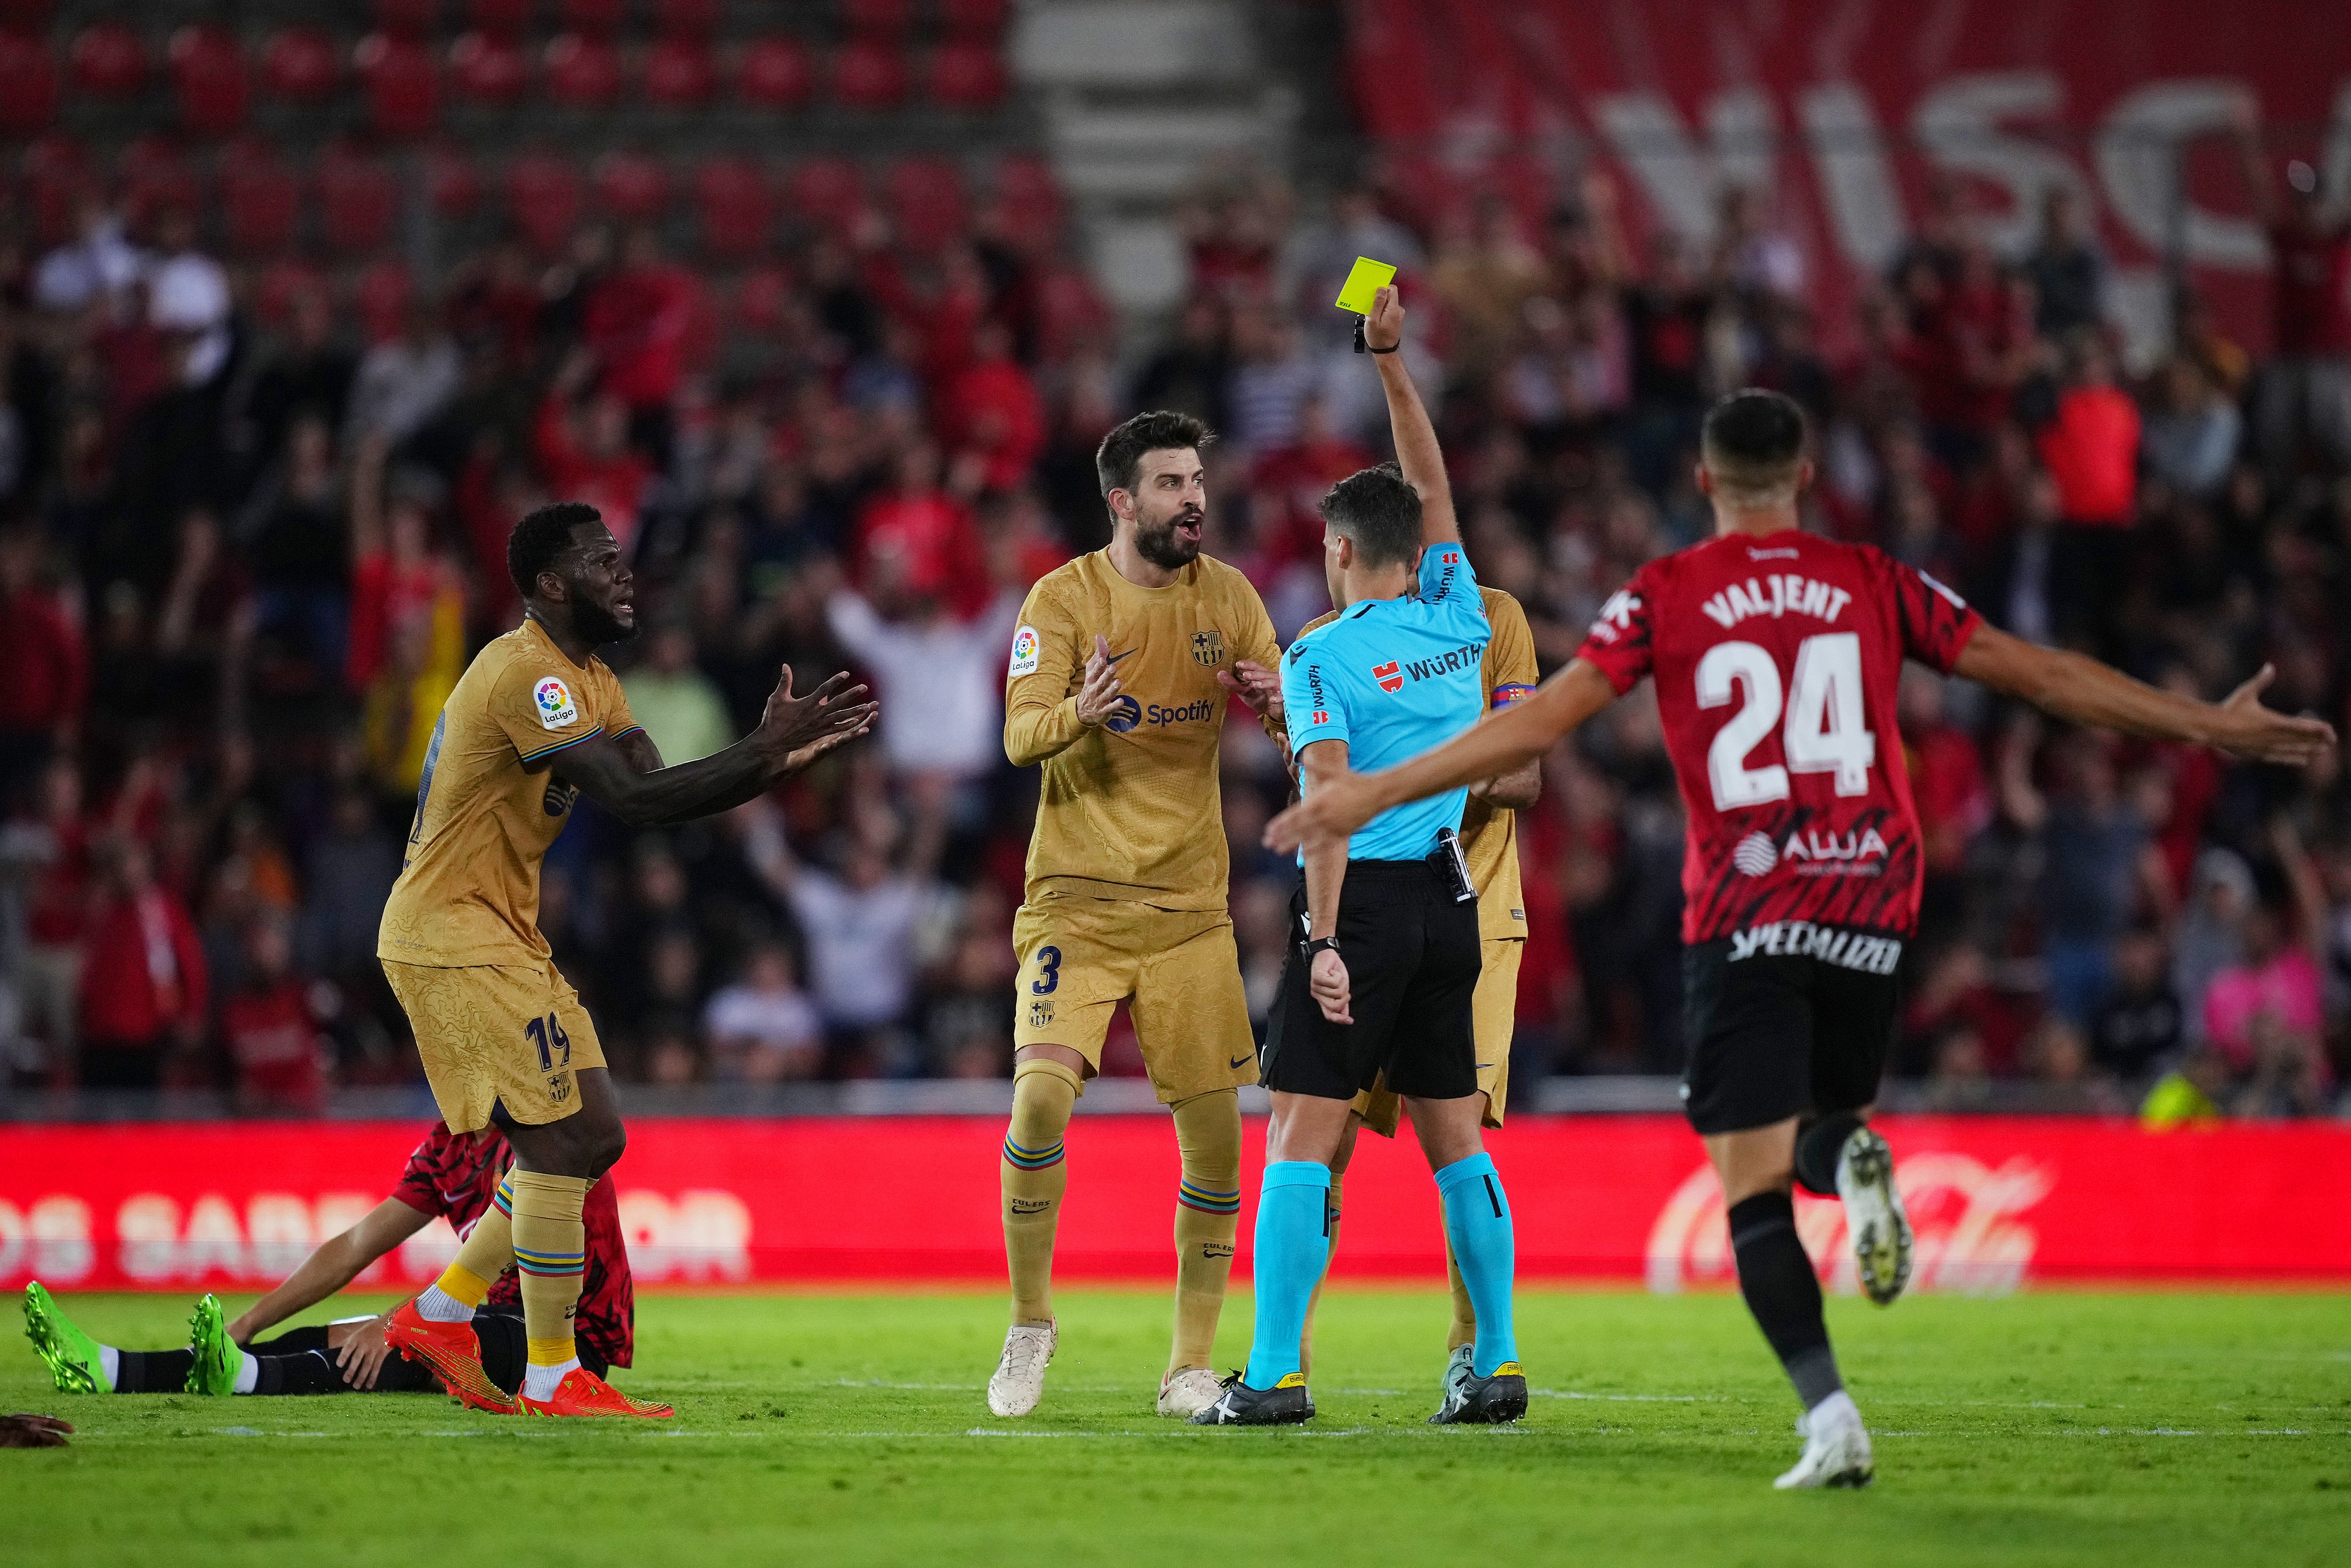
point(1846, 111)
point(1998, 1202)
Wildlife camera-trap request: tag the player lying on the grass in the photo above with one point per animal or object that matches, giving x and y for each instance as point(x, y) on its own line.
point(1121, 670)
point(537, 720)
point(1506, 674)
point(458, 1176)
point(1776, 655)
point(1379, 986)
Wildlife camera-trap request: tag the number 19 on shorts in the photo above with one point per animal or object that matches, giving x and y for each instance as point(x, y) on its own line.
point(553, 1046)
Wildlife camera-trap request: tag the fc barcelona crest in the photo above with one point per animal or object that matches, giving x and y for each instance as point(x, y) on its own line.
point(1208, 647)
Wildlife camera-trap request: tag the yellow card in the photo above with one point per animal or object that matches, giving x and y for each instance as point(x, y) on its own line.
point(1366, 279)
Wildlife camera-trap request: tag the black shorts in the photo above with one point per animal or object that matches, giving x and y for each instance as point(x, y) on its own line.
point(1775, 1034)
point(1412, 957)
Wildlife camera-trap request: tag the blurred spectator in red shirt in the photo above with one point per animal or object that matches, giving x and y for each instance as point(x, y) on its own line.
point(1297, 475)
point(2091, 449)
point(49, 851)
point(142, 979)
point(639, 323)
point(269, 1031)
point(992, 416)
point(585, 453)
point(394, 578)
point(920, 537)
point(45, 664)
point(2302, 405)
point(1946, 778)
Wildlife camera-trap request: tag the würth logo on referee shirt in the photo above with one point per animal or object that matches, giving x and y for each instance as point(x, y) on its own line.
point(1390, 676)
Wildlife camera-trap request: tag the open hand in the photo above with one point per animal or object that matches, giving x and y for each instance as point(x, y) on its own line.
point(1099, 696)
point(1327, 984)
point(792, 722)
point(2264, 735)
point(1384, 328)
point(1256, 685)
point(361, 1356)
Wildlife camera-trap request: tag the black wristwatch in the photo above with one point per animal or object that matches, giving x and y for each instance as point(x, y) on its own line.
point(1321, 944)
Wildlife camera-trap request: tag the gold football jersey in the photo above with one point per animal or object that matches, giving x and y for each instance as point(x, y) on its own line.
point(489, 805)
point(1489, 834)
point(1130, 809)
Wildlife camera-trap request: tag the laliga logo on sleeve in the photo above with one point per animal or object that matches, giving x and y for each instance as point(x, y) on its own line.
point(555, 707)
point(1024, 653)
point(1390, 676)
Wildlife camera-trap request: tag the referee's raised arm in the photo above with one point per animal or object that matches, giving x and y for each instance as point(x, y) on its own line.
point(1416, 438)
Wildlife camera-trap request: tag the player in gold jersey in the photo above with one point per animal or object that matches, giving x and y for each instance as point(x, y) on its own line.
point(536, 721)
point(1122, 666)
point(1490, 843)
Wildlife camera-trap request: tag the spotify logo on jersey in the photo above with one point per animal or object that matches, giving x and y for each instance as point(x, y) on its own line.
point(1124, 715)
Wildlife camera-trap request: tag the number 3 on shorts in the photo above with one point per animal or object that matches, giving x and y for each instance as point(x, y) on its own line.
point(547, 1034)
point(1049, 972)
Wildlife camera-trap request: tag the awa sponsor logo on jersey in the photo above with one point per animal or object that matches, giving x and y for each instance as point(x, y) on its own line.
point(1813, 853)
point(1788, 594)
point(555, 707)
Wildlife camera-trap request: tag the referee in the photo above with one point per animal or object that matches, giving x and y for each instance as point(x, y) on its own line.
point(1380, 977)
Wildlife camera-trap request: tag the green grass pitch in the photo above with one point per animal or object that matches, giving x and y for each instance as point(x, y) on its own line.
point(825, 1429)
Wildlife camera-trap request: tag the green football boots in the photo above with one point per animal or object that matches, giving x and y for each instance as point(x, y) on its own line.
point(72, 1356)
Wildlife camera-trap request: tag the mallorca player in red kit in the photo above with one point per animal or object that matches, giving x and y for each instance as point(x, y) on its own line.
point(1777, 656)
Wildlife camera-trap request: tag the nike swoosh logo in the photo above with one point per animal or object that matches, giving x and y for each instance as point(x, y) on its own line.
point(1483, 1065)
point(1114, 658)
point(1242, 1060)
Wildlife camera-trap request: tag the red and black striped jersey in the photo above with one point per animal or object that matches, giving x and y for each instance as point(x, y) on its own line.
point(456, 1175)
point(1778, 659)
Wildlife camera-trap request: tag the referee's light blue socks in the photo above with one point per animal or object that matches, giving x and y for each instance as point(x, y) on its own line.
point(1478, 1222)
point(1292, 1249)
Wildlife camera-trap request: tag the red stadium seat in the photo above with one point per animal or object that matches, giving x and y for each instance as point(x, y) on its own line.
point(869, 74)
point(679, 73)
point(487, 67)
point(695, 19)
point(358, 201)
point(261, 199)
point(967, 76)
point(543, 198)
point(281, 282)
point(593, 18)
point(734, 208)
point(56, 176)
point(157, 179)
point(758, 302)
point(981, 21)
point(632, 187)
point(508, 19)
point(828, 193)
point(208, 72)
point(110, 60)
point(1031, 194)
point(774, 74)
point(925, 200)
point(379, 294)
point(452, 183)
point(582, 71)
point(403, 89)
point(876, 19)
point(299, 65)
point(28, 87)
point(411, 19)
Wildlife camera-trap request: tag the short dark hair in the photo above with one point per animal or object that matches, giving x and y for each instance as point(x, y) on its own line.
point(540, 536)
point(1377, 509)
point(1752, 442)
point(1118, 461)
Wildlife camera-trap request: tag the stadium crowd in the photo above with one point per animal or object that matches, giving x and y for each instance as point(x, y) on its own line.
point(247, 549)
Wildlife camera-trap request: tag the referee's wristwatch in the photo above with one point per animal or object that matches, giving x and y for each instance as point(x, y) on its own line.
point(1321, 944)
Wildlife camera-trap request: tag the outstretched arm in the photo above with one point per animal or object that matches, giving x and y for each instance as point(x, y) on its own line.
point(793, 732)
point(335, 1264)
point(1517, 736)
point(2083, 691)
point(1416, 438)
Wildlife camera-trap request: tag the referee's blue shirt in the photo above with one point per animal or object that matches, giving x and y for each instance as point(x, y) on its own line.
point(1392, 677)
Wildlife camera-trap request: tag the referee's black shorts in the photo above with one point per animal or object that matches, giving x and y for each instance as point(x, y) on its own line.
point(1412, 957)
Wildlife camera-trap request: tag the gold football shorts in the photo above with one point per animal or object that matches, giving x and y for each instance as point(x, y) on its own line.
point(496, 1033)
point(1079, 958)
point(1494, 1013)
